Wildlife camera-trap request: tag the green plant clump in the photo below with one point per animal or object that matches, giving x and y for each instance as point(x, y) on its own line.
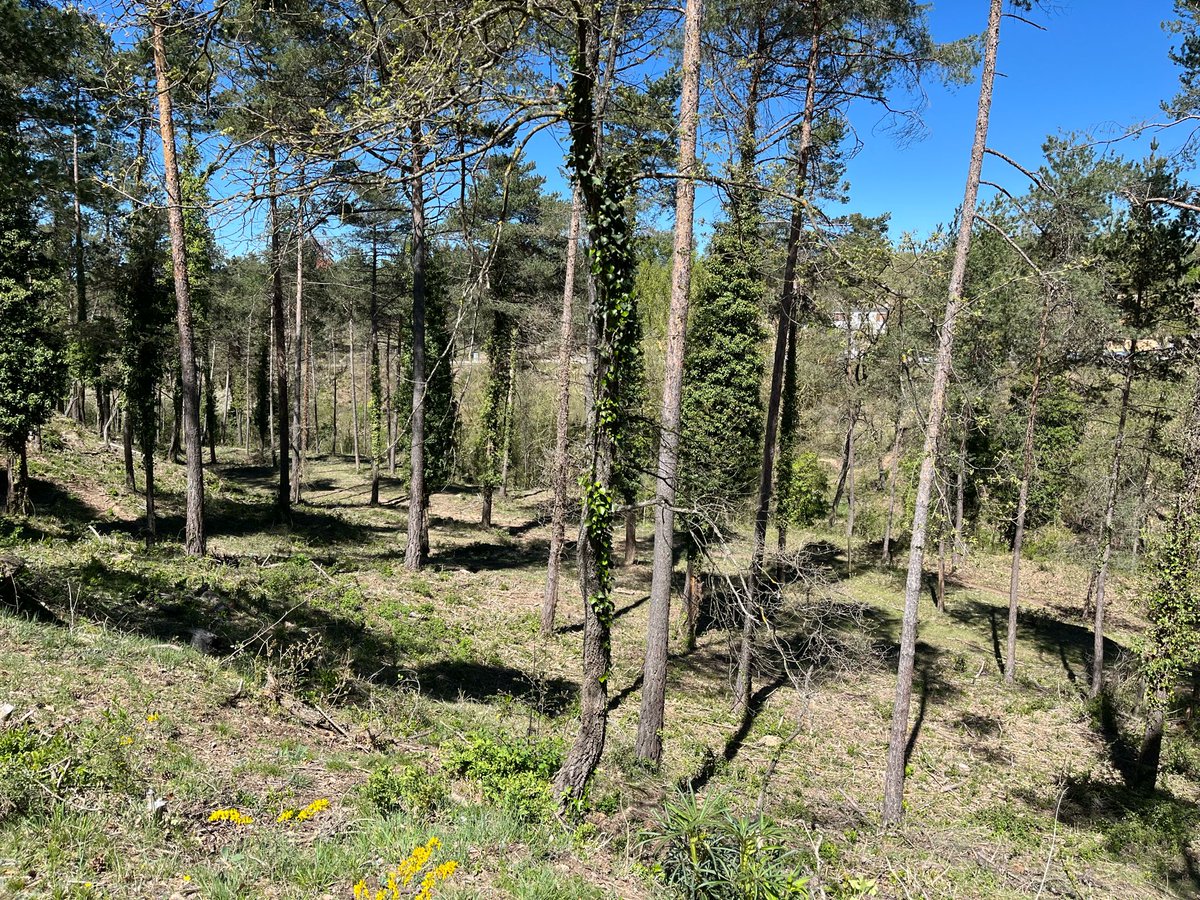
point(408, 789)
point(513, 773)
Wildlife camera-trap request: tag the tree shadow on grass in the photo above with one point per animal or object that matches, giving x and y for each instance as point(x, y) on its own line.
point(482, 556)
point(450, 680)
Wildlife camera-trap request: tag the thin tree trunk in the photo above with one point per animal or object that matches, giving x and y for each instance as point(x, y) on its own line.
point(1027, 461)
point(298, 404)
point(693, 596)
point(742, 685)
point(194, 541)
point(333, 424)
point(375, 396)
point(354, 399)
point(893, 795)
point(850, 496)
point(787, 444)
point(631, 517)
point(558, 513)
point(280, 408)
point(127, 448)
point(414, 558)
point(1114, 480)
point(654, 681)
point(81, 310)
point(390, 403)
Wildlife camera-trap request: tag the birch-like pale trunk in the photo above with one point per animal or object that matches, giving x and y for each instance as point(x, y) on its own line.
point(893, 790)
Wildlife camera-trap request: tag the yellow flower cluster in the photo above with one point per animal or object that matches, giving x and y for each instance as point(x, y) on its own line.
point(232, 815)
point(295, 816)
point(412, 872)
point(152, 718)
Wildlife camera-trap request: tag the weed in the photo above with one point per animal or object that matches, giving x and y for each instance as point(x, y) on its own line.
point(406, 788)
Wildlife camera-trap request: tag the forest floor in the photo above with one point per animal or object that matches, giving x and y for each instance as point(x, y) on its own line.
point(300, 665)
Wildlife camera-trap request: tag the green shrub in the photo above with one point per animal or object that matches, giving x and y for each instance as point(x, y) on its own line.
point(706, 852)
point(514, 773)
point(37, 769)
point(408, 789)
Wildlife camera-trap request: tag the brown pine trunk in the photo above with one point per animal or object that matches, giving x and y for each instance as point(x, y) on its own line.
point(631, 517)
point(850, 497)
point(1027, 460)
point(299, 404)
point(893, 795)
point(1114, 479)
point(506, 440)
point(742, 684)
point(654, 673)
point(558, 514)
point(81, 310)
point(194, 540)
point(280, 408)
point(414, 558)
point(485, 518)
point(693, 596)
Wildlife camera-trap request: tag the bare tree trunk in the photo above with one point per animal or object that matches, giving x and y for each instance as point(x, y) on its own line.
point(1114, 481)
point(787, 442)
point(194, 542)
point(850, 496)
point(246, 403)
point(1027, 460)
point(693, 598)
point(280, 409)
point(354, 399)
point(414, 558)
point(654, 681)
point(558, 515)
point(893, 792)
point(389, 403)
point(298, 404)
point(333, 423)
point(742, 685)
point(375, 393)
point(81, 310)
point(631, 517)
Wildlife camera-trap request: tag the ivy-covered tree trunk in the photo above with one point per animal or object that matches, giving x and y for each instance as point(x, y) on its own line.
point(127, 446)
point(194, 534)
point(558, 513)
point(1027, 461)
point(893, 784)
point(1106, 537)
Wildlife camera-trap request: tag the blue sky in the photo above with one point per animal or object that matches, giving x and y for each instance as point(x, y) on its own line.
point(1099, 67)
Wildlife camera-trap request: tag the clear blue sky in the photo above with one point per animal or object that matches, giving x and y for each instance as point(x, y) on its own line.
point(1099, 67)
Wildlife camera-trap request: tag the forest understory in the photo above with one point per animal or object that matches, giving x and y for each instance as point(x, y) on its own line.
point(349, 711)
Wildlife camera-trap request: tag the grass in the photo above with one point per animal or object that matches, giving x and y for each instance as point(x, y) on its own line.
point(332, 663)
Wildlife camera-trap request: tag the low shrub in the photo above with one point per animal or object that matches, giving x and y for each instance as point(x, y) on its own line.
point(514, 773)
point(406, 788)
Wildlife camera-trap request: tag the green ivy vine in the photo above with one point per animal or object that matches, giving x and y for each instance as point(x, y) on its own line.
point(605, 191)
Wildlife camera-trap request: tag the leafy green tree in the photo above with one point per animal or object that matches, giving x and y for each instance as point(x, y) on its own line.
point(32, 361)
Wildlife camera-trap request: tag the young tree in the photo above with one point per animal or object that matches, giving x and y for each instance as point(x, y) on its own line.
point(195, 540)
point(893, 795)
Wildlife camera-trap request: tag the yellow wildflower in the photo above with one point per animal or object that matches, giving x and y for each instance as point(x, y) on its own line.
point(232, 815)
point(152, 718)
point(319, 805)
point(126, 740)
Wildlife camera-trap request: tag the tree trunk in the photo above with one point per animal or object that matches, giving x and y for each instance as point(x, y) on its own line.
point(787, 444)
point(151, 515)
point(742, 684)
point(558, 514)
point(850, 496)
point(654, 674)
point(354, 399)
point(1027, 461)
point(631, 517)
point(127, 448)
point(893, 795)
point(375, 398)
point(176, 421)
point(414, 558)
point(194, 541)
point(1114, 480)
point(389, 406)
point(693, 597)
point(298, 404)
point(81, 310)
point(485, 518)
point(247, 405)
point(280, 408)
